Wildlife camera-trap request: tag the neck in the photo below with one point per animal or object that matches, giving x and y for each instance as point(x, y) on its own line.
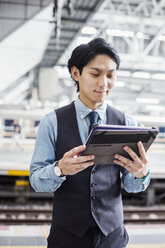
point(90, 105)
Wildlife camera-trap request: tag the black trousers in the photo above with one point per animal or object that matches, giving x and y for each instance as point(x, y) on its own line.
point(93, 238)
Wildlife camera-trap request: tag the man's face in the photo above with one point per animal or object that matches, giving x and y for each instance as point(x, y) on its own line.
point(96, 81)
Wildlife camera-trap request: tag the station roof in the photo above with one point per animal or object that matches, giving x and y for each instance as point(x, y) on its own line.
point(41, 34)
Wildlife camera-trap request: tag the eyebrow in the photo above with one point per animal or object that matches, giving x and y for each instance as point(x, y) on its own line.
point(99, 70)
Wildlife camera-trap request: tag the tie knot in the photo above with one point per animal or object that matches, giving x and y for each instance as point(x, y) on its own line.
point(93, 119)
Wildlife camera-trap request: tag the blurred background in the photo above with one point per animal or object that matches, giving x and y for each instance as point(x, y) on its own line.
point(36, 41)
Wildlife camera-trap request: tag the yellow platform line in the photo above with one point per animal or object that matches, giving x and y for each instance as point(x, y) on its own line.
point(21, 183)
point(18, 173)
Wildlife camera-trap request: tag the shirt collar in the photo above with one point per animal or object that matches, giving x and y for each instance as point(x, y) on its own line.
point(83, 110)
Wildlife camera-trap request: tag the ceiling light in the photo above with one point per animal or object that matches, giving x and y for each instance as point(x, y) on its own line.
point(118, 32)
point(140, 35)
point(161, 37)
point(147, 100)
point(140, 74)
point(159, 76)
point(89, 30)
point(155, 107)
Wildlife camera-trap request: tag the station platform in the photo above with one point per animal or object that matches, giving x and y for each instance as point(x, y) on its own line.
point(141, 236)
point(18, 163)
point(15, 165)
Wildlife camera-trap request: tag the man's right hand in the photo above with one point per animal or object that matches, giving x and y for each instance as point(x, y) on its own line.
point(71, 163)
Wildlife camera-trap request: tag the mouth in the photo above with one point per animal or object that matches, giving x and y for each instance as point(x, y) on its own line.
point(101, 91)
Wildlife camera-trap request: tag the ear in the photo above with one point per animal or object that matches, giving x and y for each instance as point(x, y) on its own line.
point(75, 73)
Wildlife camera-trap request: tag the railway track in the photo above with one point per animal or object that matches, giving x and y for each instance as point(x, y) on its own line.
point(144, 215)
point(17, 216)
point(25, 216)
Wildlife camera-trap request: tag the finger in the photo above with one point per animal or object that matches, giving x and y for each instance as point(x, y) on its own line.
point(142, 152)
point(133, 155)
point(81, 159)
point(75, 151)
point(86, 165)
point(77, 168)
point(124, 160)
point(126, 166)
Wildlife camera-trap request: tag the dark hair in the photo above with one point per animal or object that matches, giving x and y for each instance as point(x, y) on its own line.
point(84, 53)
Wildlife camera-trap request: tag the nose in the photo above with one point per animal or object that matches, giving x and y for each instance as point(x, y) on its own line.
point(103, 82)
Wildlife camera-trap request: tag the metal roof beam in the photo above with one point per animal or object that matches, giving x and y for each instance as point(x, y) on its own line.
point(158, 7)
point(41, 4)
point(72, 20)
point(153, 42)
point(82, 8)
point(63, 29)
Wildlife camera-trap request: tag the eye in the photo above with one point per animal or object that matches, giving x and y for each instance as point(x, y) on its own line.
point(110, 76)
point(94, 74)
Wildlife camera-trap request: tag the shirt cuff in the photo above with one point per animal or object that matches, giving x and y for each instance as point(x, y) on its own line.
point(53, 175)
point(145, 182)
point(133, 185)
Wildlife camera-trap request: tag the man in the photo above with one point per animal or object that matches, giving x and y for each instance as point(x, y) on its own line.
point(87, 209)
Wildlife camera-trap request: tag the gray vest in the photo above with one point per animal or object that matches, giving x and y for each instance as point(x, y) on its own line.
point(92, 193)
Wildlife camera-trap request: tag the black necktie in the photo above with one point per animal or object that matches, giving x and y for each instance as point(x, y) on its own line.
point(93, 119)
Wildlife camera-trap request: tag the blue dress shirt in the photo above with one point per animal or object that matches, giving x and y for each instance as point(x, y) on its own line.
point(42, 176)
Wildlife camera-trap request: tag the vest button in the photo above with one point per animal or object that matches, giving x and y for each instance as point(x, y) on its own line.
point(93, 197)
point(93, 184)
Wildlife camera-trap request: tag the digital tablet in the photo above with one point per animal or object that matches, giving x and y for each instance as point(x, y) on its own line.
point(104, 141)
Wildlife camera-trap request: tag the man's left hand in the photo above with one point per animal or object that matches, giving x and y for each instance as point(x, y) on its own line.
point(139, 166)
